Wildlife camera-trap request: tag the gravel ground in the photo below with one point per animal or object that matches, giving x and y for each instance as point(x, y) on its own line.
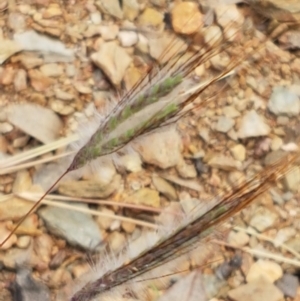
point(64, 62)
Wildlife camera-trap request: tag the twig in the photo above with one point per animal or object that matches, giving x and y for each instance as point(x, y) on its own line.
point(261, 253)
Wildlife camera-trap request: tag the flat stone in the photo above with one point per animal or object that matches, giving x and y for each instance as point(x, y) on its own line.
point(45, 127)
point(113, 60)
point(253, 125)
point(77, 228)
point(261, 289)
point(162, 149)
point(224, 124)
point(267, 269)
point(284, 102)
point(33, 41)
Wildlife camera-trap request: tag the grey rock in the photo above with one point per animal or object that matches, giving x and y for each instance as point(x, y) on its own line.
point(77, 228)
point(33, 41)
point(284, 102)
point(263, 219)
point(25, 288)
point(253, 125)
point(45, 126)
point(224, 124)
point(288, 284)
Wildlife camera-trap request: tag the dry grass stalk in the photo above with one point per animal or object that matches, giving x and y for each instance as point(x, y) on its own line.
point(160, 97)
point(198, 227)
point(170, 91)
